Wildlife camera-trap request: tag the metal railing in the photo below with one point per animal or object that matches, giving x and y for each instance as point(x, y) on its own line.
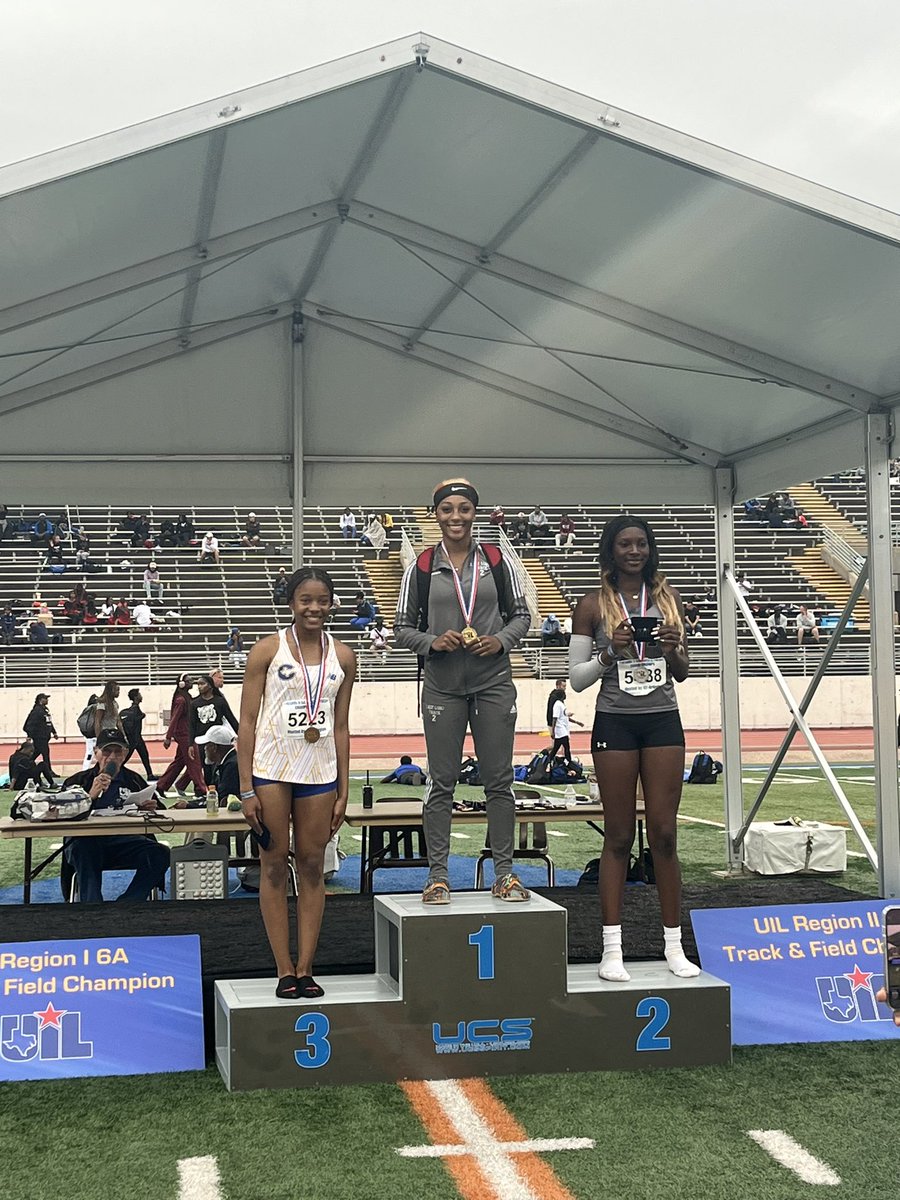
point(841, 555)
point(526, 583)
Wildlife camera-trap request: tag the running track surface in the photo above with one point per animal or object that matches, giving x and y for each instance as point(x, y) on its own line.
point(387, 747)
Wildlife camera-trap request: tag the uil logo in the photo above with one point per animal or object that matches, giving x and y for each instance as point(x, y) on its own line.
point(846, 998)
point(51, 1034)
point(286, 671)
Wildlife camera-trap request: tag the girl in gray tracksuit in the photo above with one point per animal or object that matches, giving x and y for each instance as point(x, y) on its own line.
point(467, 682)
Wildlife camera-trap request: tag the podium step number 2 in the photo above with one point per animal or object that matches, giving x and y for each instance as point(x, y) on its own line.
point(475, 988)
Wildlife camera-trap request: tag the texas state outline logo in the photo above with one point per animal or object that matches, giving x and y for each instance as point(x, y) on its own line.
point(48, 1035)
point(851, 996)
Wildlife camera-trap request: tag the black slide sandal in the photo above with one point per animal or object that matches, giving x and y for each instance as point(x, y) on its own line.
point(288, 988)
point(308, 989)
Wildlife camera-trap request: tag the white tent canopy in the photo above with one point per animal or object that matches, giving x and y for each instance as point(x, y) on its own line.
point(342, 285)
point(481, 269)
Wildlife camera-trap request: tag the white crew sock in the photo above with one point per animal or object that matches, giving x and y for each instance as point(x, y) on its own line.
point(677, 962)
point(611, 965)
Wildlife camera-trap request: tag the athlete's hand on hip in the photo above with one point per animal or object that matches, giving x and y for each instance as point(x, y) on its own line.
point(252, 810)
point(447, 642)
point(485, 647)
point(338, 813)
point(622, 638)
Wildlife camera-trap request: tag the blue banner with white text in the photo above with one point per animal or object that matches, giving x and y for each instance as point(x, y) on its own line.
point(103, 1006)
point(799, 974)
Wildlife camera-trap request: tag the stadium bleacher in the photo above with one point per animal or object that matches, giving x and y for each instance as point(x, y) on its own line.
point(211, 598)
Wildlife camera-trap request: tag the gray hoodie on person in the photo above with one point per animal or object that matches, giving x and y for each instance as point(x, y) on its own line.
point(459, 673)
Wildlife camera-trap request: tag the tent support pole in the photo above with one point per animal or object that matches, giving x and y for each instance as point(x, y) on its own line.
point(827, 655)
point(881, 607)
point(297, 380)
point(729, 672)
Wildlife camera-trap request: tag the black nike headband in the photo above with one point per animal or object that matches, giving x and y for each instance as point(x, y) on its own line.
point(455, 489)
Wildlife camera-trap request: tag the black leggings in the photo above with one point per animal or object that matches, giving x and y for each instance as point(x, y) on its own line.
point(140, 748)
point(564, 742)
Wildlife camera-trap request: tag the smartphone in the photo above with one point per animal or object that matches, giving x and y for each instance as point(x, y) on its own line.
point(643, 627)
point(892, 955)
point(263, 838)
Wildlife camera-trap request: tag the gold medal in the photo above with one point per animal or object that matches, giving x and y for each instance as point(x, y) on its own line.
point(311, 735)
point(469, 635)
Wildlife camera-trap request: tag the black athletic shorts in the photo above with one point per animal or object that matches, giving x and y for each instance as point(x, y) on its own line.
point(634, 731)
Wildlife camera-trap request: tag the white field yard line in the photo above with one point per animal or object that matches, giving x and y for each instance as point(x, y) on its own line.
point(532, 1146)
point(198, 1178)
point(790, 1154)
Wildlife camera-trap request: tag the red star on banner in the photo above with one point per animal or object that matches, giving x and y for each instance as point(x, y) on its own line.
point(859, 978)
point(51, 1015)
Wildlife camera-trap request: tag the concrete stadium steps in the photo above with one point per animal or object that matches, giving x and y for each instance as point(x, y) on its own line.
point(826, 582)
point(818, 508)
point(550, 598)
point(427, 527)
point(385, 575)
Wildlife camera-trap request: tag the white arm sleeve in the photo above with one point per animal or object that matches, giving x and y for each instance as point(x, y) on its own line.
point(584, 666)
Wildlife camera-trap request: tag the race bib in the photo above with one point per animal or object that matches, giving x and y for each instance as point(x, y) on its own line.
point(295, 720)
point(640, 678)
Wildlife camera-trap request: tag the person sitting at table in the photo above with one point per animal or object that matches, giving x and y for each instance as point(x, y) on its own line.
point(110, 785)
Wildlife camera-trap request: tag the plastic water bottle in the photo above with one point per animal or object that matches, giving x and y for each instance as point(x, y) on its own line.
point(212, 802)
point(593, 790)
point(569, 795)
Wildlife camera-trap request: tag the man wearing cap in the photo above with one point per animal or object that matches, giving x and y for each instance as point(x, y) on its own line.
point(221, 754)
point(110, 786)
point(252, 531)
point(39, 728)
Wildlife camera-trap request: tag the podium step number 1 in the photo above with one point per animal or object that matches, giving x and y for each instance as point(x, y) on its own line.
point(475, 988)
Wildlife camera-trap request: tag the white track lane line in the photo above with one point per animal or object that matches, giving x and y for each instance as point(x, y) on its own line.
point(790, 1154)
point(198, 1178)
point(494, 1162)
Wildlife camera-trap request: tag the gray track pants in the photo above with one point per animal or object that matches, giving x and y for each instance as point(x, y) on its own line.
point(491, 714)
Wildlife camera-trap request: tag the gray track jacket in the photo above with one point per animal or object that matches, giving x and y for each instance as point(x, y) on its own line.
point(460, 673)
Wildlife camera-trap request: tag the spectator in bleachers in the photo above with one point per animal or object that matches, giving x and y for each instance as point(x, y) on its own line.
point(209, 548)
point(776, 625)
point(374, 534)
point(693, 627)
point(153, 587)
point(90, 609)
point(140, 533)
point(42, 529)
point(38, 634)
point(167, 534)
point(753, 510)
point(565, 534)
point(7, 626)
point(184, 530)
point(4, 521)
point(72, 608)
point(121, 614)
point(498, 517)
point(745, 586)
point(279, 587)
point(142, 615)
point(83, 560)
point(106, 609)
point(565, 626)
point(388, 522)
point(365, 613)
point(806, 625)
point(348, 525)
point(55, 552)
point(252, 531)
point(519, 530)
point(126, 524)
point(538, 525)
point(551, 632)
point(235, 647)
point(772, 512)
point(379, 637)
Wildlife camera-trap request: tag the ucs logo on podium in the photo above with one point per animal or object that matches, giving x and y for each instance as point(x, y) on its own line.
point(473, 1037)
point(51, 1034)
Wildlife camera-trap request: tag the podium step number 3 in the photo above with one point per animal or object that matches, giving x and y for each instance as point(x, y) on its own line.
point(475, 988)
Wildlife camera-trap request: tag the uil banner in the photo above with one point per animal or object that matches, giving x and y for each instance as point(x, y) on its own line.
point(799, 974)
point(105, 1006)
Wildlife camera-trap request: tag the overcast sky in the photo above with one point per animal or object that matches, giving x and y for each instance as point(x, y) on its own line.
point(806, 85)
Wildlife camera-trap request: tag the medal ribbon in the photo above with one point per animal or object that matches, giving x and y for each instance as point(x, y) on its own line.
point(469, 612)
point(640, 647)
point(311, 707)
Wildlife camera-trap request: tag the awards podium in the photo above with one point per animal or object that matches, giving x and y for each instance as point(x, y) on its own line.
point(476, 987)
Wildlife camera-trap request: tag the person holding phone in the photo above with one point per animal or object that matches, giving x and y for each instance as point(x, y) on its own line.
point(294, 764)
point(629, 635)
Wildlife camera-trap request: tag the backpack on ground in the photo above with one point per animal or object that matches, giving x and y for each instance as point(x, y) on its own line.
point(562, 771)
point(85, 721)
point(469, 773)
point(539, 768)
point(704, 769)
